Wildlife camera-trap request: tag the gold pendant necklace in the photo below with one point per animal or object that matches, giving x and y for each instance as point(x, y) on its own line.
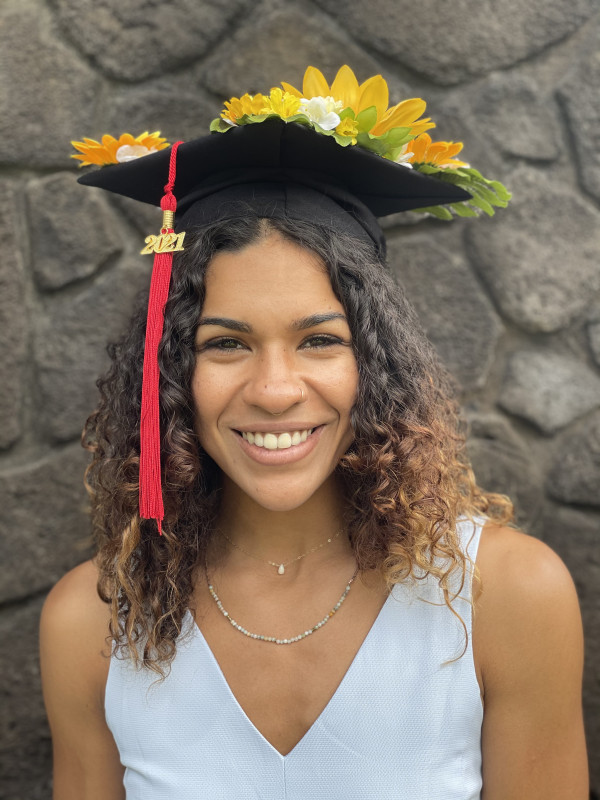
point(281, 566)
point(274, 639)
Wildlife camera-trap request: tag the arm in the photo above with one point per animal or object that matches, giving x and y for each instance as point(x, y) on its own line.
point(73, 648)
point(529, 648)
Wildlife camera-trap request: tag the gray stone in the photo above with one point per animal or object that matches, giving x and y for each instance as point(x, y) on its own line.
point(243, 63)
point(594, 334)
point(515, 114)
point(43, 527)
point(453, 42)
point(132, 41)
point(502, 464)
point(575, 474)
point(73, 230)
point(70, 347)
point(25, 749)
point(456, 314)
point(580, 95)
point(47, 94)
point(548, 390)
point(144, 217)
point(179, 109)
point(539, 256)
point(13, 319)
point(575, 536)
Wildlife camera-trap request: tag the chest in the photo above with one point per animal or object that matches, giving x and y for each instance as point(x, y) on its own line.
point(283, 689)
point(403, 721)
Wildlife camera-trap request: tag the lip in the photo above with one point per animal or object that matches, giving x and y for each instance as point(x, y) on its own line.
point(287, 455)
point(276, 427)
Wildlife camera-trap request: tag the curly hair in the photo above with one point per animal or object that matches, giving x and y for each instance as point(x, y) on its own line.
point(406, 478)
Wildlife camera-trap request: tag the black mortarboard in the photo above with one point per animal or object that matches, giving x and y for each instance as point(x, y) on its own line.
point(280, 169)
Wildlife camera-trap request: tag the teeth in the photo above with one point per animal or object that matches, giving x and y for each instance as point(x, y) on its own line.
point(274, 441)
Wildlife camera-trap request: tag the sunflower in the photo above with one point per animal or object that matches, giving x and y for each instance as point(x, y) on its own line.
point(114, 151)
point(439, 154)
point(359, 97)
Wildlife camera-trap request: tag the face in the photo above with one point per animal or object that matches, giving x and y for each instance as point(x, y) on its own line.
point(275, 375)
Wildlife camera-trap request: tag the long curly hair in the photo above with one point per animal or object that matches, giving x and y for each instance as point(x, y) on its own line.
point(406, 478)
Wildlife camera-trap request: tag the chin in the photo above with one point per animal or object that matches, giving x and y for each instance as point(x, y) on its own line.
point(277, 496)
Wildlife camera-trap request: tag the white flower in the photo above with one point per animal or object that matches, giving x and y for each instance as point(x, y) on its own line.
point(129, 152)
point(404, 155)
point(322, 111)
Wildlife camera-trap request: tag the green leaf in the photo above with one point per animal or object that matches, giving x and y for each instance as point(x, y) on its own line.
point(482, 203)
point(220, 125)
point(347, 112)
point(436, 211)
point(373, 143)
point(397, 137)
point(501, 190)
point(343, 140)
point(367, 119)
point(486, 193)
point(464, 209)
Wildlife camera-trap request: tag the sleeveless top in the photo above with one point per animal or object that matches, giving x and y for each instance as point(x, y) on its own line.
point(403, 724)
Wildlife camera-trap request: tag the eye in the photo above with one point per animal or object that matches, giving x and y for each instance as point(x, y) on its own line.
point(319, 340)
point(223, 343)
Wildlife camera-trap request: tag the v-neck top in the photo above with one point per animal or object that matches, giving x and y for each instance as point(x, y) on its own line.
point(403, 724)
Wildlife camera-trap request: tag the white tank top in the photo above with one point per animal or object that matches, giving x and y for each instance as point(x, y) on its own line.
point(404, 723)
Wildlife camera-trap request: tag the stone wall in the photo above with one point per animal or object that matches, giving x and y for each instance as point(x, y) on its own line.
point(513, 303)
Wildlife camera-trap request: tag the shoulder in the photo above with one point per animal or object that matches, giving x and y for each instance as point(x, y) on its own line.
point(528, 649)
point(74, 603)
point(75, 650)
point(514, 567)
point(74, 628)
point(525, 606)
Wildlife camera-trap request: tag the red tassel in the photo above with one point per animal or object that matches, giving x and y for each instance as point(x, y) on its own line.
point(163, 246)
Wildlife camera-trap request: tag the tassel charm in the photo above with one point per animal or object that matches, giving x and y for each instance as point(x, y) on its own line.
point(167, 240)
point(163, 246)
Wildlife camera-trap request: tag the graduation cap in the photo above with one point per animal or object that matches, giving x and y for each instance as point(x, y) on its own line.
point(296, 155)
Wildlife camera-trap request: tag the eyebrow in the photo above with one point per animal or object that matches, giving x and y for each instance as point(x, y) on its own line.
point(298, 324)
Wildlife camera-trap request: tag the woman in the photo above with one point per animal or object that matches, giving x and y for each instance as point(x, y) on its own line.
point(310, 622)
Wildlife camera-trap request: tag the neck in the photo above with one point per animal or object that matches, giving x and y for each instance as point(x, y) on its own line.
point(282, 535)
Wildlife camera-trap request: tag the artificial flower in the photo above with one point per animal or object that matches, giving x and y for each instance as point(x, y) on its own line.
point(282, 103)
point(113, 151)
point(238, 107)
point(359, 97)
point(405, 155)
point(324, 111)
point(348, 127)
point(440, 154)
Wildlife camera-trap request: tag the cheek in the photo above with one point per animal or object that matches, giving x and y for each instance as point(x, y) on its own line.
point(210, 397)
point(341, 386)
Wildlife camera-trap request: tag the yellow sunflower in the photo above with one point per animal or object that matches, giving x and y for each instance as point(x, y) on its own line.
point(440, 154)
point(373, 92)
point(114, 151)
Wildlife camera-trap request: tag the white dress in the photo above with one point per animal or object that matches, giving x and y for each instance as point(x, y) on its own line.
point(403, 724)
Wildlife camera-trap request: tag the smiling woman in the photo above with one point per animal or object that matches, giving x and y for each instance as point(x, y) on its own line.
point(299, 589)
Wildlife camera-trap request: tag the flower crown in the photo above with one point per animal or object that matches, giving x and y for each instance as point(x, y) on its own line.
point(352, 114)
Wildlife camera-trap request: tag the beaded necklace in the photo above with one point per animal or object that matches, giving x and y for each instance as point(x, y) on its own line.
point(275, 639)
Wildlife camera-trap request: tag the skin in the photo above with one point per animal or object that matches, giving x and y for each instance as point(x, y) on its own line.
point(527, 630)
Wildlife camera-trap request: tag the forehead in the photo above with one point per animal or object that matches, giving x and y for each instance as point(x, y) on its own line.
point(271, 275)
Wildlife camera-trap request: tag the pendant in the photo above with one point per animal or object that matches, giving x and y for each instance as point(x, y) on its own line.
point(281, 569)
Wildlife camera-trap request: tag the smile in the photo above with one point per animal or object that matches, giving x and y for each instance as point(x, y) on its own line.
point(277, 441)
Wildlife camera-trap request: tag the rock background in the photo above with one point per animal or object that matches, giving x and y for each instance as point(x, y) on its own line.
point(513, 303)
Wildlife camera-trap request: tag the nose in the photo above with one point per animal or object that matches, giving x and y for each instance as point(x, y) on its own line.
point(273, 382)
